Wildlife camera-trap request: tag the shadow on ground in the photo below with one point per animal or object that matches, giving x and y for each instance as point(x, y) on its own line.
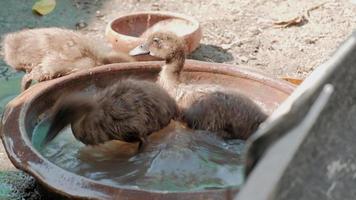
point(211, 53)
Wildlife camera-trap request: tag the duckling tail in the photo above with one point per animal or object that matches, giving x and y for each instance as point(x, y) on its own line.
point(116, 57)
point(68, 109)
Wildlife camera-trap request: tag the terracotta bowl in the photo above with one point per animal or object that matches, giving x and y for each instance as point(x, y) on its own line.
point(128, 31)
point(23, 113)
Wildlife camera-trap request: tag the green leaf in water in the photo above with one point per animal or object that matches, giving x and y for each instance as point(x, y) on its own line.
point(43, 7)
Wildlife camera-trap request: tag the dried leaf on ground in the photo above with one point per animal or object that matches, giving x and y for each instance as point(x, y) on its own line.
point(297, 21)
point(295, 81)
point(314, 8)
point(43, 7)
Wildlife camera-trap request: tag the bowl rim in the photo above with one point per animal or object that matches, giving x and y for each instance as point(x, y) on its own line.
point(26, 158)
point(110, 30)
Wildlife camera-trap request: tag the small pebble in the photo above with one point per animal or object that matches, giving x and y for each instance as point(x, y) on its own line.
point(99, 14)
point(243, 58)
point(226, 46)
point(80, 25)
point(235, 12)
point(155, 7)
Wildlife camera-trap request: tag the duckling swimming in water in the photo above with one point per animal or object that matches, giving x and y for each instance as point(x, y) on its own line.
point(203, 106)
point(128, 111)
point(47, 53)
point(230, 115)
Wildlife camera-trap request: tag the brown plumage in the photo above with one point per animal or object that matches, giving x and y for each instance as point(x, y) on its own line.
point(231, 115)
point(171, 48)
point(129, 111)
point(47, 53)
point(204, 106)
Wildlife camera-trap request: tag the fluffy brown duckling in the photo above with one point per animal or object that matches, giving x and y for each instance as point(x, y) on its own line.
point(47, 53)
point(230, 115)
point(128, 111)
point(203, 106)
point(171, 48)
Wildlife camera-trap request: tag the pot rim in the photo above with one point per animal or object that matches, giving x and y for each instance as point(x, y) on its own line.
point(110, 30)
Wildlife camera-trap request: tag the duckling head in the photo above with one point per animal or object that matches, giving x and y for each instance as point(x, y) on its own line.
point(68, 110)
point(164, 45)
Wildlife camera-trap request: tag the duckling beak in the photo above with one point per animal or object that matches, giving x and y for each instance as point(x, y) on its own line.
point(140, 50)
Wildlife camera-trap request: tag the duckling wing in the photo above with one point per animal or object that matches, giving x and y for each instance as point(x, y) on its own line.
point(134, 109)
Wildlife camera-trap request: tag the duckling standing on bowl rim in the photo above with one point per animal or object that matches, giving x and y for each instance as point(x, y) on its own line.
point(128, 111)
point(47, 53)
point(230, 114)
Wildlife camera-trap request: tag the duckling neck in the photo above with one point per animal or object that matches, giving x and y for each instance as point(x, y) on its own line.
point(169, 77)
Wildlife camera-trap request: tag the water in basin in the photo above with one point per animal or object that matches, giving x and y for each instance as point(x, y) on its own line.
point(176, 159)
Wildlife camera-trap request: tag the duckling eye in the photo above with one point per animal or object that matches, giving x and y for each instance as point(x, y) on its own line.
point(157, 42)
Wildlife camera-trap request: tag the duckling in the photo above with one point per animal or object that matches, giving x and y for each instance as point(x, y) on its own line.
point(47, 53)
point(171, 48)
point(129, 111)
point(203, 106)
point(230, 115)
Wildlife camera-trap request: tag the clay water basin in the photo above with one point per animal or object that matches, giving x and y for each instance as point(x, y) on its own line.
point(178, 164)
point(128, 31)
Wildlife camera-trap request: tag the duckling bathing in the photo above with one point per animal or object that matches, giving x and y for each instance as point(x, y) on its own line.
point(203, 106)
point(128, 111)
point(47, 53)
point(232, 116)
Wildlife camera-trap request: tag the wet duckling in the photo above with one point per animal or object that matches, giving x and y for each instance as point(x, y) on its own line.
point(47, 53)
point(203, 106)
point(230, 115)
point(128, 111)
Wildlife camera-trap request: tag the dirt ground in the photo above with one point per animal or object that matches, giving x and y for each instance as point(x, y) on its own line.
point(243, 32)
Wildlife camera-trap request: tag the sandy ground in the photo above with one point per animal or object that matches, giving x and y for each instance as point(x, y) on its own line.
point(243, 32)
